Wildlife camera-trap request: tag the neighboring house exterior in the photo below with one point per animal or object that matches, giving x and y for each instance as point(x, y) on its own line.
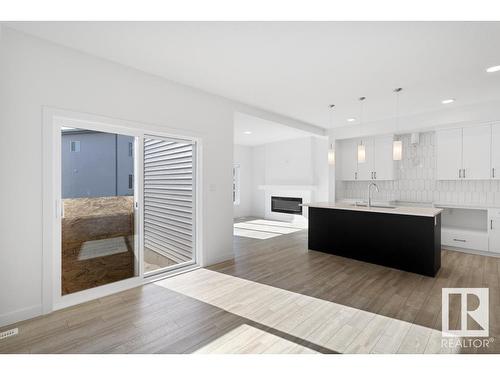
point(96, 164)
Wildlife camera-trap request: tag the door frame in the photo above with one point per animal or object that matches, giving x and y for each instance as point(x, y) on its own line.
point(51, 167)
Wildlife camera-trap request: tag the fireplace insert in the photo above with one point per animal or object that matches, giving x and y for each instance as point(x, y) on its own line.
point(286, 205)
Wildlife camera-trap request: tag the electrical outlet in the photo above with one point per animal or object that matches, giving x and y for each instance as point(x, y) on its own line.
point(9, 333)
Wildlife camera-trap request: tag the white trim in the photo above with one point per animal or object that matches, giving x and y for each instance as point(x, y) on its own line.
point(21, 314)
point(287, 187)
point(98, 292)
point(51, 259)
point(236, 184)
point(170, 273)
point(138, 154)
point(471, 251)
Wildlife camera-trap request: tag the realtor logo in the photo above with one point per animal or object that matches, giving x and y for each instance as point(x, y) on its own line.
point(473, 312)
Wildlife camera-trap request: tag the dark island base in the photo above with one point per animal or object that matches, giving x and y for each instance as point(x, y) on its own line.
point(406, 242)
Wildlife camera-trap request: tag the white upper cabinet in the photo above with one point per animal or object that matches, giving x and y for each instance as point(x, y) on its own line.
point(495, 151)
point(348, 160)
point(378, 164)
point(449, 154)
point(383, 168)
point(464, 154)
point(476, 153)
point(365, 169)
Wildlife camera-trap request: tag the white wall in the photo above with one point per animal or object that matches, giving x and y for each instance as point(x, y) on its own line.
point(301, 161)
point(243, 157)
point(320, 168)
point(35, 73)
point(258, 178)
point(289, 162)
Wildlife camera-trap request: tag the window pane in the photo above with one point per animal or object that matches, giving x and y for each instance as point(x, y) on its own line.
point(98, 242)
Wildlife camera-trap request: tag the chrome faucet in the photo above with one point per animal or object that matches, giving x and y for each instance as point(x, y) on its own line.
point(370, 193)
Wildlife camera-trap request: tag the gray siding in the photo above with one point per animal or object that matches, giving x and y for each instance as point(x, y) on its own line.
point(101, 168)
point(125, 165)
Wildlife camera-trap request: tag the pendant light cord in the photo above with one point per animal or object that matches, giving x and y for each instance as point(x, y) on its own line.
point(397, 91)
point(361, 102)
point(331, 107)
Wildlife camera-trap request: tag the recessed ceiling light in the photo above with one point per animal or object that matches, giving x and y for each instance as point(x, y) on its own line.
point(493, 69)
point(351, 119)
point(247, 132)
point(447, 101)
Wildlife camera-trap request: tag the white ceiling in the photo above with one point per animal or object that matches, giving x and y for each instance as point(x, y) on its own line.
point(263, 131)
point(298, 68)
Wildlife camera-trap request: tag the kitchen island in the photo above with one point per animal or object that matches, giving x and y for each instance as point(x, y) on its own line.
point(406, 238)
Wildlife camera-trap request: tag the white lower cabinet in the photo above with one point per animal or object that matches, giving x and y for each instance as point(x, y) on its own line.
point(473, 240)
point(476, 229)
point(494, 230)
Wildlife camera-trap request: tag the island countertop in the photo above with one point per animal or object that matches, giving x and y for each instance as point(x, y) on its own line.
point(398, 210)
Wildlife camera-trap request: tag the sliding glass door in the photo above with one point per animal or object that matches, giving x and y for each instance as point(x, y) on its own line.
point(125, 207)
point(169, 204)
point(98, 221)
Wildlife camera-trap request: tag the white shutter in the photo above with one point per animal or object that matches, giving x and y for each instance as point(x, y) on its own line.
point(169, 198)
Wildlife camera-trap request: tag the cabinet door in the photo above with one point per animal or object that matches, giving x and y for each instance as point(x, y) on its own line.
point(476, 153)
point(365, 170)
point(449, 154)
point(349, 162)
point(495, 151)
point(494, 230)
point(383, 163)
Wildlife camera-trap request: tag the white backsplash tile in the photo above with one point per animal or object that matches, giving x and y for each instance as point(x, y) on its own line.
point(416, 181)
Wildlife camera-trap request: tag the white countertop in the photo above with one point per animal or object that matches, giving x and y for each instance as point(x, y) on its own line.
point(464, 206)
point(398, 210)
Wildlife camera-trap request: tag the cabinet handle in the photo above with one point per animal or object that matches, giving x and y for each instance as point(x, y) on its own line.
point(464, 173)
point(375, 174)
point(493, 172)
point(458, 240)
point(355, 175)
point(460, 173)
point(491, 224)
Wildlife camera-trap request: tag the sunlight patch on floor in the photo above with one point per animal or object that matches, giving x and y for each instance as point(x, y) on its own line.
point(253, 234)
point(264, 229)
point(331, 325)
point(247, 339)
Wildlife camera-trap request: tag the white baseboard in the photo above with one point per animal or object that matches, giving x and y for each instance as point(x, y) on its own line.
point(471, 251)
point(19, 315)
point(218, 259)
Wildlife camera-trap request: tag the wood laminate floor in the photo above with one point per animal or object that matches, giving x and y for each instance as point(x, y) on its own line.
point(274, 297)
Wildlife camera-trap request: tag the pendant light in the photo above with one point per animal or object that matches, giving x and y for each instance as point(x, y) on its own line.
point(397, 146)
point(331, 155)
point(361, 146)
point(331, 150)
